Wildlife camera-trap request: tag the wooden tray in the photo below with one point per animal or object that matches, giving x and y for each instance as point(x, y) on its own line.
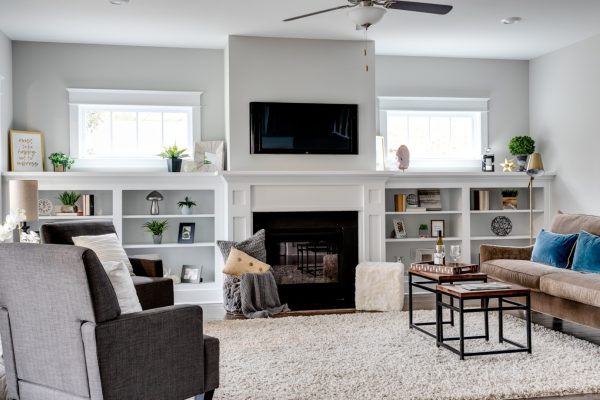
point(450, 269)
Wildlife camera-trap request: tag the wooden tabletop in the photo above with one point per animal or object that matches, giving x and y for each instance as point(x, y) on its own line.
point(443, 278)
point(460, 292)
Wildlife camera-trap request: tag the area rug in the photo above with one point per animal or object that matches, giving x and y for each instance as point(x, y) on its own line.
point(376, 356)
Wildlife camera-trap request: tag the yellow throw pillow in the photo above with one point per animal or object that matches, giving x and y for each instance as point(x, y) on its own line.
point(239, 262)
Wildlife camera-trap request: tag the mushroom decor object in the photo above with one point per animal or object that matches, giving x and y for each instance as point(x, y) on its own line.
point(154, 197)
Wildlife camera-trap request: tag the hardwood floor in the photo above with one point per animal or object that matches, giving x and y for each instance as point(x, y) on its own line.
point(216, 312)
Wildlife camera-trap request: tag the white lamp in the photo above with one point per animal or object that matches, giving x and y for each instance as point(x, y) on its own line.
point(23, 195)
point(366, 16)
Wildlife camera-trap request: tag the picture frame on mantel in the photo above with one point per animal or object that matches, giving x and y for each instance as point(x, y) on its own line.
point(26, 151)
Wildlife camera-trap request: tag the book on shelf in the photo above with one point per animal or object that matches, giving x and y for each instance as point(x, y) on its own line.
point(416, 209)
point(87, 201)
point(431, 199)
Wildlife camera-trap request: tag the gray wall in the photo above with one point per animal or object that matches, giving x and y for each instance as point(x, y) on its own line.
point(505, 82)
point(6, 113)
point(43, 71)
point(565, 118)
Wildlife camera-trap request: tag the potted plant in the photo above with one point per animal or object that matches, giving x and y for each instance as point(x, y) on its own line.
point(509, 199)
point(423, 231)
point(157, 228)
point(174, 156)
point(61, 162)
point(69, 200)
point(186, 206)
point(521, 147)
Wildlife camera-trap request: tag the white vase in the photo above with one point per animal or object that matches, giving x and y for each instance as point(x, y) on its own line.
point(186, 210)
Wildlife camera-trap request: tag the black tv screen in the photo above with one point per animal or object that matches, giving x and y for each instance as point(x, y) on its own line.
point(303, 128)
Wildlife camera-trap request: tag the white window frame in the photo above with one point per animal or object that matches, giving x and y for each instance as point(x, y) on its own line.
point(437, 104)
point(84, 99)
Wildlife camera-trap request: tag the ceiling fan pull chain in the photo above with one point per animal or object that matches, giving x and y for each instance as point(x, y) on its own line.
point(365, 52)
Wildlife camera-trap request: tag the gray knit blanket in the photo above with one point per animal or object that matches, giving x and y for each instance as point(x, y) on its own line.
point(259, 296)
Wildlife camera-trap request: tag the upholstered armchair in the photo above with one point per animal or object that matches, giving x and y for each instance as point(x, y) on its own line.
point(64, 337)
point(152, 289)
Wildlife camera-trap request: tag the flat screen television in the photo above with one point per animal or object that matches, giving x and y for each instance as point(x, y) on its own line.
point(303, 128)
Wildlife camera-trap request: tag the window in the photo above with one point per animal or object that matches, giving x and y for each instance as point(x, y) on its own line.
point(440, 133)
point(121, 128)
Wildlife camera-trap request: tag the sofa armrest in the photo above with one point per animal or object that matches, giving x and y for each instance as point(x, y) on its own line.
point(154, 354)
point(146, 267)
point(154, 292)
point(489, 252)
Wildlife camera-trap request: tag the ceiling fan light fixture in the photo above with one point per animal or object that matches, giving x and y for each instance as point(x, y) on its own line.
point(511, 20)
point(366, 16)
point(118, 2)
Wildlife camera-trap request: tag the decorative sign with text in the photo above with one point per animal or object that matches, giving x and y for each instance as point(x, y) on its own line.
point(26, 151)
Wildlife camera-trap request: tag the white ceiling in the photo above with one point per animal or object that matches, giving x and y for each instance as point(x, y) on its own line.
point(472, 29)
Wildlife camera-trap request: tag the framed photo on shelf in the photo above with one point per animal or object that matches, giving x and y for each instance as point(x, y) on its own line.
point(186, 232)
point(436, 226)
point(26, 151)
point(191, 273)
point(400, 229)
point(431, 199)
point(423, 255)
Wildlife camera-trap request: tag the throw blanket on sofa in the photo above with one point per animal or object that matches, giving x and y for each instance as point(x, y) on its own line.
point(259, 296)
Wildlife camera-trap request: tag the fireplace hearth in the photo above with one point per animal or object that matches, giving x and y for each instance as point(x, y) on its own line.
point(313, 256)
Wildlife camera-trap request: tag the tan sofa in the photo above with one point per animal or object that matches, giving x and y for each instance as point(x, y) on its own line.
point(568, 295)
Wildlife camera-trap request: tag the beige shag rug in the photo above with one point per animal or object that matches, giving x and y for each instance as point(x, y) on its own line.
point(376, 356)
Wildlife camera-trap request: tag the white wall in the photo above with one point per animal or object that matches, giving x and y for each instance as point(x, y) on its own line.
point(565, 118)
point(43, 71)
point(299, 70)
point(6, 112)
point(505, 82)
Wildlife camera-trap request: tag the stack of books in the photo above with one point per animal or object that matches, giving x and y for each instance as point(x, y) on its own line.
point(87, 202)
point(481, 200)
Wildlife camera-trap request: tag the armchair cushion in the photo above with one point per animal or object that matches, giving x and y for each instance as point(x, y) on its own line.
point(107, 248)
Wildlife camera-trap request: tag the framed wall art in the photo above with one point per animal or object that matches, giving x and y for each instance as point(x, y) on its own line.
point(26, 151)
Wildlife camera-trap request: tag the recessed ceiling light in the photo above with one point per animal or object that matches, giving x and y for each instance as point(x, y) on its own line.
point(118, 2)
point(511, 20)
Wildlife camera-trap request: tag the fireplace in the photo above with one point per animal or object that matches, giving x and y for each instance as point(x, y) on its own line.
point(313, 256)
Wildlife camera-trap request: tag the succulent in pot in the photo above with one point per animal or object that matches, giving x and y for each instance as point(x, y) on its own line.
point(521, 147)
point(423, 231)
point(174, 156)
point(61, 162)
point(157, 228)
point(69, 201)
point(509, 199)
point(186, 205)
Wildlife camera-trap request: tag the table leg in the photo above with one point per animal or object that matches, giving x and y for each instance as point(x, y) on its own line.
point(528, 317)
point(485, 303)
point(439, 326)
point(461, 317)
point(452, 311)
point(500, 319)
point(410, 300)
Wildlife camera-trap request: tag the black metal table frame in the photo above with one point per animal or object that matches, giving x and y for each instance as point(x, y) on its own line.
point(486, 309)
point(423, 285)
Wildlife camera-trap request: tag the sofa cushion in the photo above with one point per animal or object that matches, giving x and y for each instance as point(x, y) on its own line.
point(571, 285)
point(254, 246)
point(573, 223)
point(521, 272)
point(554, 249)
point(587, 253)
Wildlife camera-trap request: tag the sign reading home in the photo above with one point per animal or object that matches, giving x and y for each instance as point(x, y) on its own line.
point(26, 151)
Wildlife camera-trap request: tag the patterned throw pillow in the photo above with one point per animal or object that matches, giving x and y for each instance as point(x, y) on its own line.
point(239, 263)
point(254, 246)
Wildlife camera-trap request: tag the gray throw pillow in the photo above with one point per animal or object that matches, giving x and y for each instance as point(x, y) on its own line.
point(254, 246)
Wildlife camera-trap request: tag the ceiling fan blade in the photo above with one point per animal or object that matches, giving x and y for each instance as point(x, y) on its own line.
point(429, 8)
point(317, 12)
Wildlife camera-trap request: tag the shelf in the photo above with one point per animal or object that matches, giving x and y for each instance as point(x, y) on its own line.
point(422, 212)
point(57, 217)
point(509, 237)
point(167, 245)
point(505, 211)
point(409, 240)
point(168, 216)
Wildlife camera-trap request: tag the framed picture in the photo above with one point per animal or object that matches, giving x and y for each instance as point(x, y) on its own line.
point(431, 199)
point(186, 232)
point(400, 229)
point(26, 151)
point(423, 255)
point(436, 226)
point(191, 273)
point(211, 154)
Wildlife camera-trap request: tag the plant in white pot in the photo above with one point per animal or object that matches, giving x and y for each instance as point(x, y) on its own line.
point(521, 147)
point(186, 205)
point(157, 228)
point(69, 202)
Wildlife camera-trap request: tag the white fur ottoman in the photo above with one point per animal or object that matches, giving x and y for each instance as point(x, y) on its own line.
point(379, 286)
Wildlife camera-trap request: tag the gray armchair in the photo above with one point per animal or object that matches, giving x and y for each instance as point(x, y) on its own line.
point(64, 337)
point(152, 289)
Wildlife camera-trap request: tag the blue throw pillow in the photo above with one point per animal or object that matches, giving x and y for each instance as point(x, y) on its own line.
point(587, 253)
point(553, 249)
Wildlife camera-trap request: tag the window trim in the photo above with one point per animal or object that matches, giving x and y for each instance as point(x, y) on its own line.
point(437, 104)
point(127, 98)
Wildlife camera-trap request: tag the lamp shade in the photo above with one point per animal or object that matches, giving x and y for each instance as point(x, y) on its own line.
point(23, 194)
point(535, 165)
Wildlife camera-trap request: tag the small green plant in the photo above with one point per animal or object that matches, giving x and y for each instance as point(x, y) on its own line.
point(173, 152)
point(187, 202)
point(510, 192)
point(156, 227)
point(423, 227)
point(521, 145)
point(69, 198)
point(61, 159)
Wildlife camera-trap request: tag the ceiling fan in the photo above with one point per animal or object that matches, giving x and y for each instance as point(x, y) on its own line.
point(368, 12)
